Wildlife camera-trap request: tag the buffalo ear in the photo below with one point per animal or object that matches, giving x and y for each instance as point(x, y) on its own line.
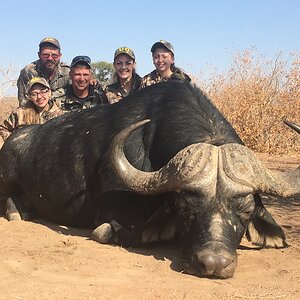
point(263, 231)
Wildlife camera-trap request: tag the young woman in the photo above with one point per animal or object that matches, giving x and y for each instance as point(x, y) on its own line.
point(164, 62)
point(126, 80)
point(40, 109)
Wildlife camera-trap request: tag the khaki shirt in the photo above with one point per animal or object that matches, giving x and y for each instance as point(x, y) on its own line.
point(57, 84)
point(154, 77)
point(27, 116)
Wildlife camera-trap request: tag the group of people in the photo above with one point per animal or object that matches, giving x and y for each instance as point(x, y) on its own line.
point(48, 87)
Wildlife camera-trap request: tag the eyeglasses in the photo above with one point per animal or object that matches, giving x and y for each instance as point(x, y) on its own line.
point(35, 95)
point(47, 55)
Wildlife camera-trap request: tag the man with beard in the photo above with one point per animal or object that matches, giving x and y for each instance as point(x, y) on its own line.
point(49, 67)
point(82, 92)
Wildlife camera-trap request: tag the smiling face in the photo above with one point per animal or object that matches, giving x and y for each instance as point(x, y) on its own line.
point(50, 57)
point(81, 77)
point(124, 66)
point(163, 60)
point(39, 95)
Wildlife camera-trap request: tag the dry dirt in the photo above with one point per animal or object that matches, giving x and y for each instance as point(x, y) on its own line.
point(41, 260)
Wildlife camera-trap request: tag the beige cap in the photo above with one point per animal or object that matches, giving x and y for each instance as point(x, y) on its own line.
point(50, 40)
point(35, 80)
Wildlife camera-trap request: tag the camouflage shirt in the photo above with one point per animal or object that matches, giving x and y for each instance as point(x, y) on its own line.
point(57, 84)
point(154, 77)
point(115, 92)
point(27, 116)
point(72, 102)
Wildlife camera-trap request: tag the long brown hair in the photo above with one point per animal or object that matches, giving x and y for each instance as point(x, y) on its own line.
point(30, 116)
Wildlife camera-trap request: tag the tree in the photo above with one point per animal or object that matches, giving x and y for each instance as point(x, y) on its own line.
point(103, 71)
point(7, 79)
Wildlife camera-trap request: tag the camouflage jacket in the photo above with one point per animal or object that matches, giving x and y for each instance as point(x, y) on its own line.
point(115, 92)
point(72, 102)
point(58, 83)
point(154, 77)
point(23, 116)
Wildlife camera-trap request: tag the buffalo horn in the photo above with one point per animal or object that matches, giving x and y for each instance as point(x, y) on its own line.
point(292, 125)
point(229, 170)
point(241, 172)
point(182, 169)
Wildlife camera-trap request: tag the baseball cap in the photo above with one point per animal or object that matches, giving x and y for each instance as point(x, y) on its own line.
point(50, 40)
point(162, 44)
point(35, 80)
point(124, 50)
point(82, 60)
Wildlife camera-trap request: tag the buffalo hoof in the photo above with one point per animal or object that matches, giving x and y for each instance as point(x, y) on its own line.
point(103, 233)
point(12, 213)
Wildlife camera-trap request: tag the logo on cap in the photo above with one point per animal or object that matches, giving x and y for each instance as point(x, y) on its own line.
point(124, 50)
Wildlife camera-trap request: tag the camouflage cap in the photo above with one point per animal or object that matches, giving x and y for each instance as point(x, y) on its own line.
point(81, 60)
point(162, 44)
point(124, 50)
point(50, 40)
point(39, 80)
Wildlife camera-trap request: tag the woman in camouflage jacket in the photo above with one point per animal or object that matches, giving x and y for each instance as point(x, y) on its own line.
point(126, 80)
point(41, 109)
point(163, 59)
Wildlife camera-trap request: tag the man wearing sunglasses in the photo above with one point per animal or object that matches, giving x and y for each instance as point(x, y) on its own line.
point(49, 67)
point(82, 93)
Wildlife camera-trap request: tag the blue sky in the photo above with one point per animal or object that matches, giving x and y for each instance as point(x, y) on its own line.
point(202, 32)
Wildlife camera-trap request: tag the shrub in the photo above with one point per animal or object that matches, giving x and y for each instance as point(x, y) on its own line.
point(7, 105)
point(256, 95)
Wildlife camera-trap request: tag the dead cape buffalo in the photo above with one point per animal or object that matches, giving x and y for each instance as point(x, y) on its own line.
point(185, 175)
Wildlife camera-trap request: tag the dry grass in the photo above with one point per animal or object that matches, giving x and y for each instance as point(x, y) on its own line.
point(7, 105)
point(255, 95)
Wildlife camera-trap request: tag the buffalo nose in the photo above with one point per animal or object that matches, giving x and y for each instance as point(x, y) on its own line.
point(216, 265)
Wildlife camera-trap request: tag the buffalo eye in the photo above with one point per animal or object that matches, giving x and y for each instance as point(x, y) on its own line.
point(246, 215)
point(245, 207)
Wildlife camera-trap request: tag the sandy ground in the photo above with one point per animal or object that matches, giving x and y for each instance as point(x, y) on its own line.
point(41, 260)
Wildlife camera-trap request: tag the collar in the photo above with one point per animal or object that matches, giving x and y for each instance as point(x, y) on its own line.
point(116, 87)
point(70, 93)
point(58, 72)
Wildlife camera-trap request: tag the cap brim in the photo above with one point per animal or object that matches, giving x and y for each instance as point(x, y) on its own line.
point(81, 62)
point(161, 45)
point(124, 53)
point(30, 87)
point(55, 45)
point(157, 45)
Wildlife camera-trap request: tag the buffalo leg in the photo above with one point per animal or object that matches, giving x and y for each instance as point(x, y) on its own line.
point(116, 234)
point(162, 225)
point(12, 213)
point(16, 209)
